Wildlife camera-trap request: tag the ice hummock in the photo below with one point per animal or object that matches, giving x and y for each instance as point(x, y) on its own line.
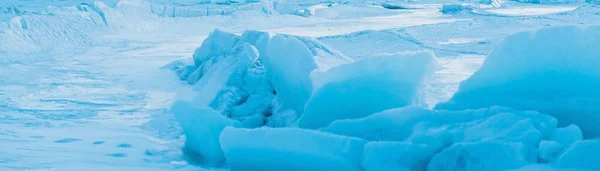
point(367, 86)
point(258, 66)
point(553, 70)
point(300, 77)
point(229, 76)
point(250, 80)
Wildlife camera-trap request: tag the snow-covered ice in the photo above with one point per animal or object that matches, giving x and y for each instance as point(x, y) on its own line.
point(298, 85)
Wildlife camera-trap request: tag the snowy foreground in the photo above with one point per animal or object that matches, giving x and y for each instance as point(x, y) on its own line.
point(299, 85)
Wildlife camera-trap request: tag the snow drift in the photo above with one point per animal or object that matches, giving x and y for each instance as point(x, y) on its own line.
point(552, 70)
point(370, 85)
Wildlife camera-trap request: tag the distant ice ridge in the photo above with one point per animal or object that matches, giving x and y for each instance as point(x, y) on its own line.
point(74, 25)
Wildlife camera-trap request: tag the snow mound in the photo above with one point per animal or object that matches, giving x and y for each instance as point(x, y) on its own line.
point(290, 149)
point(370, 85)
point(289, 61)
point(395, 156)
point(583, 154)
point(553, 70)
point(202, 127)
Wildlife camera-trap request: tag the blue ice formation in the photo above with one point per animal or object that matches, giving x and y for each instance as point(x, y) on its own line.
point(529, 106)
point(552, 70)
